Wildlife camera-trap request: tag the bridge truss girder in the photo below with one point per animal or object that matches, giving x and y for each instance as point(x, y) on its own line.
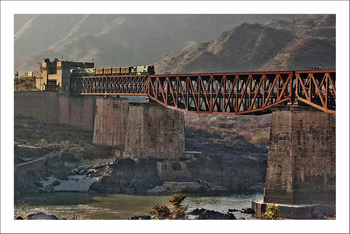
point(221, 93)
point(237, 93)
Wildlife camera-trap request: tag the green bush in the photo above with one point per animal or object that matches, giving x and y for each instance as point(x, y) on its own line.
point(271, 212)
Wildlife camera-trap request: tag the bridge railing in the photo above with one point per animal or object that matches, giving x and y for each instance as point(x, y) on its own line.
point(109, 85)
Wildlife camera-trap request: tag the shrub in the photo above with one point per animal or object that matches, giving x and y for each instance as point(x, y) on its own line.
point(43, 143)
point(163, 212)
point(176, 200)
point(64, 145)
point(271, 212)
point(261, 140)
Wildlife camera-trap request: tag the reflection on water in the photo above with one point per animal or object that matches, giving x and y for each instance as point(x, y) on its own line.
point(123, 206)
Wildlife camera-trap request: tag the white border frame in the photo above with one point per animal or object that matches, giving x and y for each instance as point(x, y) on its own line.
point(340, 8)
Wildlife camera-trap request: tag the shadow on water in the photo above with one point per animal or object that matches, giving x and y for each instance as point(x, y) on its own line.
point(58, 199)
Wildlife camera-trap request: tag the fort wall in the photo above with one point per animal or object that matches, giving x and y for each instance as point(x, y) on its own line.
point(50, 106)
point(77, 111)
point(37, 105)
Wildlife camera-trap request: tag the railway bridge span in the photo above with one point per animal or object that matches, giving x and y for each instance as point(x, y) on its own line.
point(220, 93)
point(301, 160)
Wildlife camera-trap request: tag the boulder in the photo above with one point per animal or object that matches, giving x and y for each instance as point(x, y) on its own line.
point(39, 184)
point(96, 187)
point(196, 211)
point(55, 167)
point(68, 157)
point(56, 182)
point(143, 217)
point(248, 211)
point(210, 214)
point(39, 216)
point(127, 175)
point(233, 210)
point(140, 185)
point(50, 188)
point(90, 171)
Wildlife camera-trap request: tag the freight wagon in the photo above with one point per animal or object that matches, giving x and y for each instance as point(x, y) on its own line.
point(135, 70)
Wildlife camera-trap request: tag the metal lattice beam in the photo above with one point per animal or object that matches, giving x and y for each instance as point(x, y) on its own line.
point(224, 93)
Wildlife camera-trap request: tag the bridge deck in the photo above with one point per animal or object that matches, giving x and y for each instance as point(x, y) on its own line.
point(224, 93)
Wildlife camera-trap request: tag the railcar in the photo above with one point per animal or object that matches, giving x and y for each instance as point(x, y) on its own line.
point(125, 70)
point(99, 71)
point(135, 70)
point(107, 71)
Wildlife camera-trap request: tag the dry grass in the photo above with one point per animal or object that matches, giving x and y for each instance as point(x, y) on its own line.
point(255, 129)
point(25, 84)
point(163, 212)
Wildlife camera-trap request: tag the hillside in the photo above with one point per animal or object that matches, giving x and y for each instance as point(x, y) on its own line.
point(277, 45)
point(117, 40)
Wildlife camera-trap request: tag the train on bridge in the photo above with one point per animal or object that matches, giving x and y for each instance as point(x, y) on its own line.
point(134, 70)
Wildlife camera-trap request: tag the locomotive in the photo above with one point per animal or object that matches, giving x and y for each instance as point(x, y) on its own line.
point(135, 70)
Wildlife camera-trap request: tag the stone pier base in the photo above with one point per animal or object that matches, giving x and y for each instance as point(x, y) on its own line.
point(110, 121)
point(154, 131)
point(301, 171)
point(304, 211)
point(140, 130)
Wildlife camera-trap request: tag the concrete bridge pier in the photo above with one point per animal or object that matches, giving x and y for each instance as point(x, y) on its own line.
point(111, 118)
point(154, 131)
point(301, 175)
point(140, 130)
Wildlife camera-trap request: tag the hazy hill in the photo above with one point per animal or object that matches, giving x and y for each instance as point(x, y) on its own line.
point(276, 45)
point(117, 40)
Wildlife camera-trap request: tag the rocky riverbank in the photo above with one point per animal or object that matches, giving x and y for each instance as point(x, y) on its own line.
point(56, 157)
point(63, 171)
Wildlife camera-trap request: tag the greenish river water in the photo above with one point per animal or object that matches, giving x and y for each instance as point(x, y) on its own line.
point(122, 206)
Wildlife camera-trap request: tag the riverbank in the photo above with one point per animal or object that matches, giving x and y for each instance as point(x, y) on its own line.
point(216, 161)
point(68, 170)
point(66, 205)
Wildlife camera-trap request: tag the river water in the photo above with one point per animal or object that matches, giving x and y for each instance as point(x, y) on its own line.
point(87, 206)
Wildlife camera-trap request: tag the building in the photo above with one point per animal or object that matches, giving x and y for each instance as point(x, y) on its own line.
point(56, 75)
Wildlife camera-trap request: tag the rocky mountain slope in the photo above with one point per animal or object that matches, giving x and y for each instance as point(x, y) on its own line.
point(277, 45)
point(117, 40)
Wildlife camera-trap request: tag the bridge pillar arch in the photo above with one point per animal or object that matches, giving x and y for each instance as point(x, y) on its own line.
point(154, 131)
point(111, 118)
point(301, 161)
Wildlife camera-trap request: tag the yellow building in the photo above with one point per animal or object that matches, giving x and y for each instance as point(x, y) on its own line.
point(56, 75)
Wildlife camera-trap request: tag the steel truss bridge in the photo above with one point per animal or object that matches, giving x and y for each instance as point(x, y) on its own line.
point(220, 93)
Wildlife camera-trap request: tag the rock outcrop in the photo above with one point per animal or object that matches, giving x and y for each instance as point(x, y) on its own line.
point(38, 216)
point(126, 175)
point(211, 214)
